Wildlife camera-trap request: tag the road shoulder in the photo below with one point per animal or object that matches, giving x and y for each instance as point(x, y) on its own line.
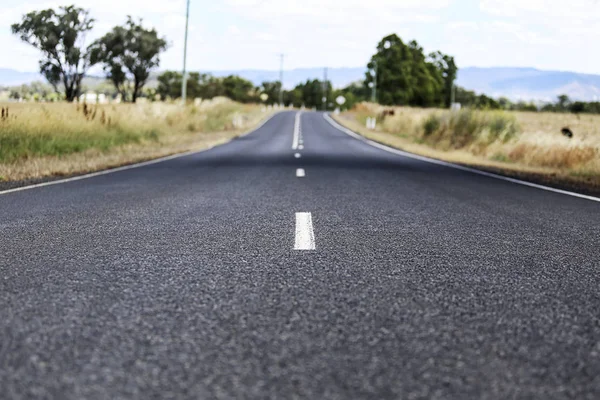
point(587, 186)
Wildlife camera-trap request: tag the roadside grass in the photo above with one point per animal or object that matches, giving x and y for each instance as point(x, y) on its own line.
point(49, 139)
point(517, 141)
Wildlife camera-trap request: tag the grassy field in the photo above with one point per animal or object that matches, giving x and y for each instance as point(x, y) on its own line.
point(54, 139)
point(519, 142)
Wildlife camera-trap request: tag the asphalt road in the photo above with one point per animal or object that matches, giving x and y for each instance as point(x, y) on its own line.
point(194, 278)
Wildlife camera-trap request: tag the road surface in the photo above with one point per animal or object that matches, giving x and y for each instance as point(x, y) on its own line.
point(298, 262)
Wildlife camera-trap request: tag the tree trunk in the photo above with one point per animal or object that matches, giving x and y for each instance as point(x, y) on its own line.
point(69, 95)
point(136, 88)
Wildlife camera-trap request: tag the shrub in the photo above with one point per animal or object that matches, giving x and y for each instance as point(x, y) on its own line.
point(431, 124)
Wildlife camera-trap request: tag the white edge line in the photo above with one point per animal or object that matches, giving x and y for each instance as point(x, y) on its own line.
point(305, 235)
point(456, 166)
point(131, 166)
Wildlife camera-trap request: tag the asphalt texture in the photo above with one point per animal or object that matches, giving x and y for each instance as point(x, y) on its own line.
point(179, 280)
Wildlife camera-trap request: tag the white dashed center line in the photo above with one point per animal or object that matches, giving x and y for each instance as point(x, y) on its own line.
point(297, 155)
point(305, 236)
point(300, 173)
point(296, 140)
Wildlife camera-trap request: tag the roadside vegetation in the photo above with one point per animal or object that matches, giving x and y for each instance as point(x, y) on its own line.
point(49, 139)
point(506, 141)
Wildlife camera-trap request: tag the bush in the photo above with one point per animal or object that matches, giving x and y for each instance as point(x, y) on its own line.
point(462, 128)
point(431, 124)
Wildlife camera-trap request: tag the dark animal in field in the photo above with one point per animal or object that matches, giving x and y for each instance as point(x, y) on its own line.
point(567, 132)
point(390, 112)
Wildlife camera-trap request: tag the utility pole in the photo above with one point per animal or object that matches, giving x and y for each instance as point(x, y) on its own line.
point(281, 79)
point(374, 88)
point(325, 89)
point(184, 77)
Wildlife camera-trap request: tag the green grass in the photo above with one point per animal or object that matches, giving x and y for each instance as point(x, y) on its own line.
point(38, 130)
point(465, 127)
point(500, 157)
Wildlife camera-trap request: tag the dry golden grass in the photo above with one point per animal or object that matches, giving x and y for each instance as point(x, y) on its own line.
point(511, 141)
point(39, 140)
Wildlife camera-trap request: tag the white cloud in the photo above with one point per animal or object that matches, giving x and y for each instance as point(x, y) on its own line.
point(236, 34)
point(543, 9)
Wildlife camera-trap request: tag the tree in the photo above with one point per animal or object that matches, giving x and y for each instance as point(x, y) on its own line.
point(238, 89)
point(129, 53)
point(577, 107)
point(393, 78)
point(60, 36)
point(427, 79)
point(405, 76)
point(447, 67)
point(563, 102)
point(271, 89)
point(353, 93)
point(310, 94)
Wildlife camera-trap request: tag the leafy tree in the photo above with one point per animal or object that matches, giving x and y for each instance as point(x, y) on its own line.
point(310, 94)
point(393, 78)
point(60, 36)
point(238, 89)
point(169, 84)
point(353, 93)
point(577, 107)
point(271, 89)
point(427, 79)
point(129, 53)
point(563, 101)
point(447, 67)
point(405, 76)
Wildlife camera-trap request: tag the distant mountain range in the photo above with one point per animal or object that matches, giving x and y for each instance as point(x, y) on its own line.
point(514, 83)
point(11, 77)
point(530, 83)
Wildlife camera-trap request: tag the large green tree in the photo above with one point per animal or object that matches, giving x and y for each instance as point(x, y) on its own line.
point(60, 36)
point(129, 53)
point(403, 75)
point(390, 71)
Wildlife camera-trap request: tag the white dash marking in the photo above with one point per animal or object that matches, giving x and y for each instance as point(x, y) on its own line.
point(297, 155)
point(300, 173)
point(297, 133)
point(305, 236)
point(301, 147)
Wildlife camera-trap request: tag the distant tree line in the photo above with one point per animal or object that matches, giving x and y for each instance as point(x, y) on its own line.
point(562, 104)
point(398, 73)
point(309, 94)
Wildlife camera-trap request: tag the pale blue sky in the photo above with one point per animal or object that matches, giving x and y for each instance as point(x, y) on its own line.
point(244, 34)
